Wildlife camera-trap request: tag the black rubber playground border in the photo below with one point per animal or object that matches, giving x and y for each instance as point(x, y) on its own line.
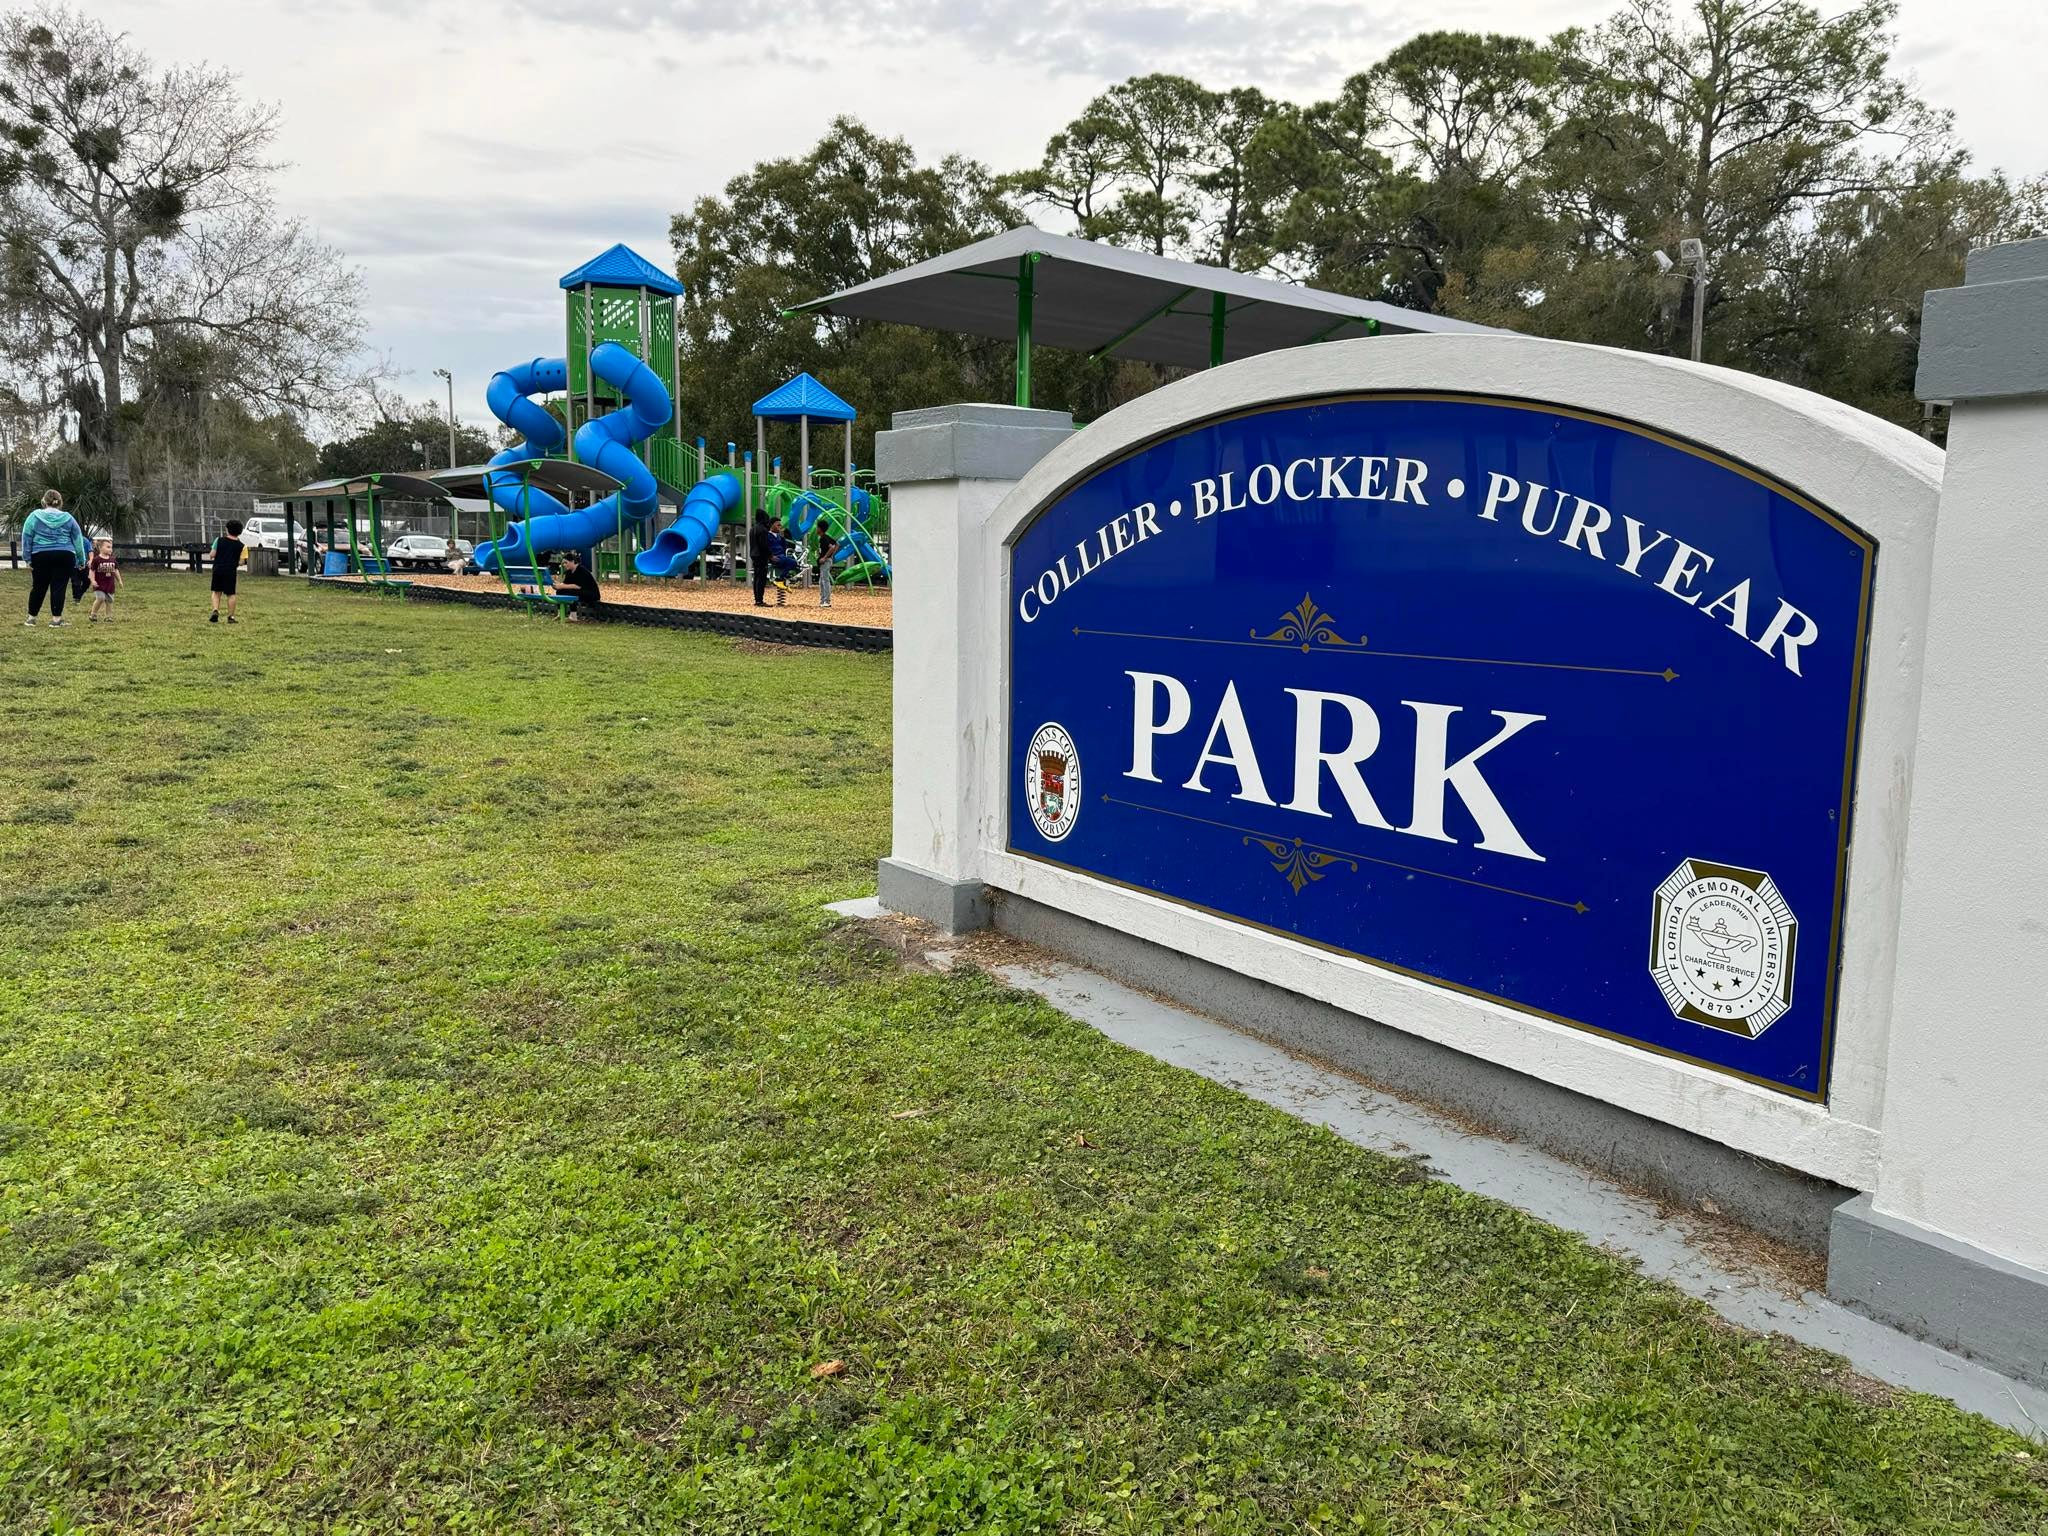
point(743, 626)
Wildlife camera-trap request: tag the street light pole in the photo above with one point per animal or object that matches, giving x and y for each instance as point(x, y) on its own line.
point(454, 512)
point(449, 379)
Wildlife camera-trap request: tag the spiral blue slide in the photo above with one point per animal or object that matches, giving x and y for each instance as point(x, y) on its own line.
point(604, 443)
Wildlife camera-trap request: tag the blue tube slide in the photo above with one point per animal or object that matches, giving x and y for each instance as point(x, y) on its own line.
point(507, 398)
point(675, 549)
point(604, 443)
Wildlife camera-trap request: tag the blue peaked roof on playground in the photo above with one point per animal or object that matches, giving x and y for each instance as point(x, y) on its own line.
point(803, 396)
point(623, 267)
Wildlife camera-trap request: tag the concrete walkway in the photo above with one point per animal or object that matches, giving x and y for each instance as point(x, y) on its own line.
point(1665, 1245)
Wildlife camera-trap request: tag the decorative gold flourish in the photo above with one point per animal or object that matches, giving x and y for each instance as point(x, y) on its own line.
point(1250, 835)
point(1308, 624)
point(1300, 862)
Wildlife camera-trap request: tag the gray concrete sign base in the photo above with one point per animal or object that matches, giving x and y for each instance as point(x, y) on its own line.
point(1939, 1288)
point(1669, 1245)
point(951, 906)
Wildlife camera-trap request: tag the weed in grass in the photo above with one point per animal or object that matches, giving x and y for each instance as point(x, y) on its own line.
point(242, 1102)
point(43, 898)
point(61, 1263)
point(156, 776)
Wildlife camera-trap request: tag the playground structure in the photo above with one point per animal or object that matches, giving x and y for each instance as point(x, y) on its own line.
point(1027, 284)
point(603, 468)
point(841, 507)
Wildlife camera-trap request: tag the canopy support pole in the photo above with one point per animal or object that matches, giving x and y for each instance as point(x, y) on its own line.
point(1025, 284)
point(1372, 328)
point(1216, 325)
point(589, 383)
point(675, 380)
point(1131, 330)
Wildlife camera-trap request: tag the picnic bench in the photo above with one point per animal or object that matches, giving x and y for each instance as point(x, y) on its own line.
point(534, 590)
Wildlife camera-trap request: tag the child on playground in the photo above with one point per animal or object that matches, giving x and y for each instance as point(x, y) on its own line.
point(105, 574)
point(760, 550)
point(781, 563)
point(828, 547)
point(227, 565)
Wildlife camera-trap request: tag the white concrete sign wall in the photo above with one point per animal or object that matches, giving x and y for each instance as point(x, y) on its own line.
point(970, 482)
point(1954, 1244)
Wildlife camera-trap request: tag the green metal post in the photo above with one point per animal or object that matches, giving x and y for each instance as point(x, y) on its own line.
point(1025, 264)
point(376, 539)
point(1216, 323)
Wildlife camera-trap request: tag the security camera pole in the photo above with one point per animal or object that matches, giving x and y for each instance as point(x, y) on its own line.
point(1695, 251)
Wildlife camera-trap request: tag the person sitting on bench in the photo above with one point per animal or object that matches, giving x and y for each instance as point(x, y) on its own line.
point(579, 578)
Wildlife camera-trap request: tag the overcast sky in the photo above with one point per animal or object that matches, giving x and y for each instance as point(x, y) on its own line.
point(465, 155)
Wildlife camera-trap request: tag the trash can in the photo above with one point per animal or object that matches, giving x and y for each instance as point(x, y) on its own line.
point(335, 563)
point(263, 562)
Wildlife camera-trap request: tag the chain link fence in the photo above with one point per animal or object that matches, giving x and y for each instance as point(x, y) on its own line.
point(180, 517)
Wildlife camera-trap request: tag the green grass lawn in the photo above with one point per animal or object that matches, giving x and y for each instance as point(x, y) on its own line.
point(431, 1098)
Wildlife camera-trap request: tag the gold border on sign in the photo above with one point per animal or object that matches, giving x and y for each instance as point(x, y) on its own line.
point(1858, 656)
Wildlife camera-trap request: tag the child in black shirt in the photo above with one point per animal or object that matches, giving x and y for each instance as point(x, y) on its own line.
point(227, 565)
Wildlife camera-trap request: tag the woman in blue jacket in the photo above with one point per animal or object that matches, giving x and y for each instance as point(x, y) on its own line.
point(55, 546)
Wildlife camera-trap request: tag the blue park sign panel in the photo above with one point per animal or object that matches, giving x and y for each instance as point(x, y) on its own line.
point(1547, 708)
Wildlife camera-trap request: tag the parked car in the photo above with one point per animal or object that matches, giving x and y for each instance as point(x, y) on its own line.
point(264, 533)
point(428, 552)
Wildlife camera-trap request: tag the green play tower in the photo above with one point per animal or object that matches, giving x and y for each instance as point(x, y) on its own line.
point(623, 297)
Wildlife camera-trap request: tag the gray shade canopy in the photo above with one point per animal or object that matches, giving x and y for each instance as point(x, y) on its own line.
point(385, 482)
point(1110, 302)
point(562, 477)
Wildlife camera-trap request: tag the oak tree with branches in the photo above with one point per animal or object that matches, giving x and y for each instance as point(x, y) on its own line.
point(136, 207)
